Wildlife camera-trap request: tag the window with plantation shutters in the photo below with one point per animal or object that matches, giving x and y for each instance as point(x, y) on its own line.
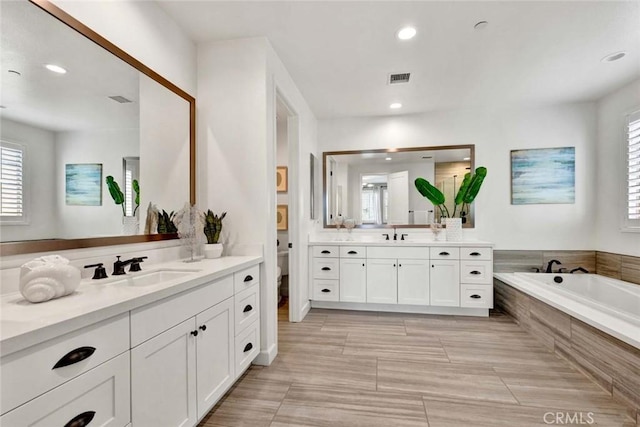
point(12, 208)
point(632, 196)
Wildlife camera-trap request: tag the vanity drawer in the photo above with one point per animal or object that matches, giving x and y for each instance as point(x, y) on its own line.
point(326, 290)
point(246, 278)
point(247, 307)
point(480, 272)
point(476, 296)
point(478, 254)
point(326, 251)
point(386, 252)
point(443, 252)
point(100, 397)
point(247, 347)
point(153, 319)
point(31, 372)
point(326, 268)
point(353, 252)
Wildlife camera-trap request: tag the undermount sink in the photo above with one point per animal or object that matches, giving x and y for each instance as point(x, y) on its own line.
point(154, 277)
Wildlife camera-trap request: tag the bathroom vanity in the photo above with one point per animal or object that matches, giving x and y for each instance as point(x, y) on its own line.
point(402, 276)
point(123, 351)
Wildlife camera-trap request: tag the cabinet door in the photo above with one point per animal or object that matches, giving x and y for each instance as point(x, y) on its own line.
point(353, 280)
point(214, 351)
point(163, 379)
point(382, 281)
point(445, 283)
point(413, 281)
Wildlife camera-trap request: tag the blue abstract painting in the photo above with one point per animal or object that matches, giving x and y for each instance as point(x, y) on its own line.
point(540, 176)
point(83, 184)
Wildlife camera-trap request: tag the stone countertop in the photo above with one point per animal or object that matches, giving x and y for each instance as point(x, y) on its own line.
point(23, 324)
point(363, 241)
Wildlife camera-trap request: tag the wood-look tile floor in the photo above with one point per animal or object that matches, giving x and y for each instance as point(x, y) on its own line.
point(346, 368)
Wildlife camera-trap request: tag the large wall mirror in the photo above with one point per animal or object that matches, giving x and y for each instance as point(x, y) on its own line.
point(376, 187)
point(63, 133)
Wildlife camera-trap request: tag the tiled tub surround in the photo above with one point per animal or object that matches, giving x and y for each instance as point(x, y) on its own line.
point(611, 362)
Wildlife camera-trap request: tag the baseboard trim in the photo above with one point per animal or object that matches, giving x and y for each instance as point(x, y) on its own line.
point(265, 357)
point(395, 308)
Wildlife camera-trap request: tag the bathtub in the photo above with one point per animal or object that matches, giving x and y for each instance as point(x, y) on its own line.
point(611, 305)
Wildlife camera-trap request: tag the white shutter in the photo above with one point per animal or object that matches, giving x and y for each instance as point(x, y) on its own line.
point(12, 184)
point(632, 185)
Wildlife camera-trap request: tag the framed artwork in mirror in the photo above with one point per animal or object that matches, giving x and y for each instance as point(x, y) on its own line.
point(282, 217)
point(83, 184)
point(282, 184)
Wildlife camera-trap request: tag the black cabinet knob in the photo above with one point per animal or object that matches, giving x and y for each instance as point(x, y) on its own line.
point(326, 290)
point(444, 253)
point(352, 253)
point(203, 328)
point(394, 265)
point(247, 308)
point(363, 264)
point(74, 356)
point(475, 272)
point(194, 333)
point(248, 278)
point(326, 268)
point(475, 296)
point(475, 254)
point(325, 252)
point(81, 420)
point(247, 347)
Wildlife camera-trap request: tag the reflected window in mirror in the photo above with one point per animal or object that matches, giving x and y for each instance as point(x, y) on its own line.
point(12, 192)
point(376, 187)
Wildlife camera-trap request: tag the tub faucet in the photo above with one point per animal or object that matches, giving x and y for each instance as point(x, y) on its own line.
point(550, 265)
point(584, 270)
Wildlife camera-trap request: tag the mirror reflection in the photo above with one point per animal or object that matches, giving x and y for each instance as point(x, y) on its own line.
point(376, 187)
point(64, 130)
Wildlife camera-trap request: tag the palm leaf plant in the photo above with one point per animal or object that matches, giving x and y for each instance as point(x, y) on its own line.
point(467, 193)
point(116, 193)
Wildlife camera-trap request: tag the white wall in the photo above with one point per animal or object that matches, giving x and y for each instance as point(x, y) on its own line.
point(105, 146)
point(495, 133)
point(282, 159)
point(39, 179)
point(611, 170)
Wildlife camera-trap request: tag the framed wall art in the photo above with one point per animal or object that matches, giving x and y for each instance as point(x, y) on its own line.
point(282, 217)
point(83, 184)
point(282, 182)
point(543, 176)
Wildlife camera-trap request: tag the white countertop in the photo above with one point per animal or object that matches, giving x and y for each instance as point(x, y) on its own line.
point(23, 324)
point(363, 241)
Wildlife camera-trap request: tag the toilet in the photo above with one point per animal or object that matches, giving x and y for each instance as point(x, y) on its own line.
point(282, 269)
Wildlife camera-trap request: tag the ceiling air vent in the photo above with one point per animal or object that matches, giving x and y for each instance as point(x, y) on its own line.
point(121, 99)
point(399, 78)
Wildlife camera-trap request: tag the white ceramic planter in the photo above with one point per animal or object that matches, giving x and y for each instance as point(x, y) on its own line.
point(454, 229)
point(213, 250)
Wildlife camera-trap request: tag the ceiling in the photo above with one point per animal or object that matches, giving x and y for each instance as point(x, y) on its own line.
point(339, 53)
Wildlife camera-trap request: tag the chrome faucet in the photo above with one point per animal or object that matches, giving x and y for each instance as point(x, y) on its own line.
point(550, 265)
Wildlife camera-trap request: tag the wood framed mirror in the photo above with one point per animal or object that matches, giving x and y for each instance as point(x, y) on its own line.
point(125, 115)
point(376, 187)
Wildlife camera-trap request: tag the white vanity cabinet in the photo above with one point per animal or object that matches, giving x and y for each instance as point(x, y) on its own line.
point(413, 282)
point(382, 281)
point(353, 280)
point(445, 283)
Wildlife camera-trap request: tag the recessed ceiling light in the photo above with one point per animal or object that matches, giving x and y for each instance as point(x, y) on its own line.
point(388, 158)
point(55, 68)
point(614, 56)
point(481, 25)
point(395, 105)
point(406, 33)
point(467, 158)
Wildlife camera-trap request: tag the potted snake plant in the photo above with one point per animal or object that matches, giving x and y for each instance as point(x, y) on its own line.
point(212, 229)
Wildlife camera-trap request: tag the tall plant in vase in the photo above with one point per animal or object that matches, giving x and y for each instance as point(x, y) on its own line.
point(189, 220)
point(130, 223)
point(212, 229)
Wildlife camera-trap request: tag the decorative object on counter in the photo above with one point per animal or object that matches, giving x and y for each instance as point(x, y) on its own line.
point(282, 180)
point(543, 175)
point(436, 229)
point(338, 221)
point(83, 184)
point(48, 277)
point(469, 189)
point(189, 221)
point(349, 224)
point(151, 223)
point(130, 223)
point(282, 217)
point(454, 229)
point(212, 229)
point(165, 223)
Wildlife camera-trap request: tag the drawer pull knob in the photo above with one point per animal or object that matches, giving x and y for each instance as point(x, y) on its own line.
point(247, 308)
point(444, 253)
point(203, 328)
point(394, 265)
point(475, 272)
point(247, 347)
point(475, 254)
point(325, 252)
point(326, 268)
point(475, 296)
point(248, 278)
point(194, 333)
point(81, 420)
point(325, 290)
point(352, 253)
point(74, 356)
